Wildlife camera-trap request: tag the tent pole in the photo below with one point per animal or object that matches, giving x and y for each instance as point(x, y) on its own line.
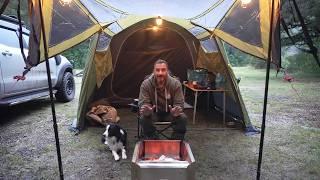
point(55, 127)
point(265, 94)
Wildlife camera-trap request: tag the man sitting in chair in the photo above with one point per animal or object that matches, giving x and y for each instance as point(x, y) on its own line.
point(161, 99)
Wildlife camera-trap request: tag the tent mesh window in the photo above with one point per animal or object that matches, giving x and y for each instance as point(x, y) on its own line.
point(101, 13)
point(115, 28)
point(244, 23)
point(212, 16)
point(104, 41)
point(196, 30)
point(67, 22)
point(209, 45)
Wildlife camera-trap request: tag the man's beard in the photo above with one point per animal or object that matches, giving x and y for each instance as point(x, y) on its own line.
point(160, 80)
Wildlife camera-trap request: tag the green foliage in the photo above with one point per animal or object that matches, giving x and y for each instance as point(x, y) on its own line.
point(238, 58)
point(258, 63)
point(309, 10)
point(11, 10)
point(301, 62)
point(78, 54)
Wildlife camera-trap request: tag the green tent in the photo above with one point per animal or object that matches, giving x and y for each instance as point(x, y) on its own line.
point(127, 40)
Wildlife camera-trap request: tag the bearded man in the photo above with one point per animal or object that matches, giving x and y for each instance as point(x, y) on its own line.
point(161, 99)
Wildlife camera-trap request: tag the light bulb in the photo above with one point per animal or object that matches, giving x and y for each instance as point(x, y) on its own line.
point(159, 21)
point(155, 28)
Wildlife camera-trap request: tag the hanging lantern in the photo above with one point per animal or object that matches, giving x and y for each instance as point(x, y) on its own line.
point(159, 21)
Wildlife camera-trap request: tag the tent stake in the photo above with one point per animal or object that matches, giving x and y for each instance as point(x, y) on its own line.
point(55, 127)
point(265, 95)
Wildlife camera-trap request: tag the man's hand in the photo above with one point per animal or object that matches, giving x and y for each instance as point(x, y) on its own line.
point(146, 110)
point(175, 111)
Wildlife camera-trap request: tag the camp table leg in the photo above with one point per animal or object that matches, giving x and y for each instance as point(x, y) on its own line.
point(208, 101)
point(195, 107)
point(224, 108)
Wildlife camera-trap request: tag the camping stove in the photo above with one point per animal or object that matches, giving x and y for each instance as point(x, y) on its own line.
point(162, 159)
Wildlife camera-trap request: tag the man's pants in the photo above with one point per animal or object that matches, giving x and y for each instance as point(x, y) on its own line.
point(178, 125)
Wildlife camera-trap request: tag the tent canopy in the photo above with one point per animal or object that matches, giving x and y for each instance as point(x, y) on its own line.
point(244, 26)
point(127, 41)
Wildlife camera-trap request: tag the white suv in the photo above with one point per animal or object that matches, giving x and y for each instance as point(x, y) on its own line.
point(35, 84)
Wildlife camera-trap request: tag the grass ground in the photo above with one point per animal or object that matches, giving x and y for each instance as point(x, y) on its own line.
point(293, 121)
point(291, 148)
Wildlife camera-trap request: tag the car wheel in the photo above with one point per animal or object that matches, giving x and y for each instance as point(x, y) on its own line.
point(66, 91)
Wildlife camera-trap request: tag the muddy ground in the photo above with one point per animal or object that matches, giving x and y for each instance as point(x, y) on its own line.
point(291, 147)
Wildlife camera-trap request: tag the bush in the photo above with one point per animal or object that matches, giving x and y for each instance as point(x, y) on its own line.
point(78, 54)
point(258, 63)
point(301, 62)
point(236, 57)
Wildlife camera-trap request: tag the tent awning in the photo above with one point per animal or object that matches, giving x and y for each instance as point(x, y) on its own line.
point(244, 27)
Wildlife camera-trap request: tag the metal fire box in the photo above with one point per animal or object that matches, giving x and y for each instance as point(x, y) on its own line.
point(162, 160)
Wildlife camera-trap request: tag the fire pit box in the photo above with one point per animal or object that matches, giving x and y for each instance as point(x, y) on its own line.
point(162, 160)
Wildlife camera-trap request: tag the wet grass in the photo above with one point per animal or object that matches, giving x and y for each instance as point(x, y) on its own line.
point(293, 125)
point(291, 148)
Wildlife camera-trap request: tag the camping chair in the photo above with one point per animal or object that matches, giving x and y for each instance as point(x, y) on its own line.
point(161, 126)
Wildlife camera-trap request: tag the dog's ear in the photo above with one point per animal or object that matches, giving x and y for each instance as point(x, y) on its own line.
point(106, 132)
point(123, 137)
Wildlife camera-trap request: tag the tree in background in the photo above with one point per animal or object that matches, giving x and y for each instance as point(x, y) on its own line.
point(238, 58)
point(11, 10)
point(78, 54)
point(301, 63)
point(296, 52)
point(300, 21)
point(310, 11)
